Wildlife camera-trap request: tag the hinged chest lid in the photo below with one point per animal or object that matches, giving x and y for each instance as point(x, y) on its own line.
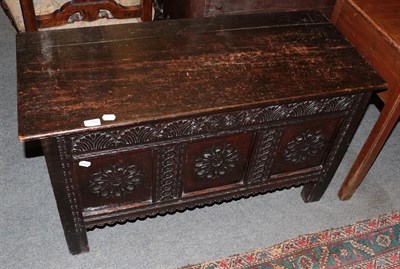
point(154, 71)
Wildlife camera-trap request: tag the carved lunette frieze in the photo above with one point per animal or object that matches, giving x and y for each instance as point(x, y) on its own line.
point(266, 144)
point(110, 139)
point(169, 172)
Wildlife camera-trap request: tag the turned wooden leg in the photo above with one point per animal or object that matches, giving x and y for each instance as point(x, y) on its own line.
point(58, 163)
point(28, 13)
point(375, 141)
point(146, 10)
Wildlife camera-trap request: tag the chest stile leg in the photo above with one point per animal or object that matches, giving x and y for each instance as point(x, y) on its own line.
point(58, 159)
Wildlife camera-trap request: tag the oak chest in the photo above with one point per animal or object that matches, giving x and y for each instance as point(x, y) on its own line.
point(137, 120)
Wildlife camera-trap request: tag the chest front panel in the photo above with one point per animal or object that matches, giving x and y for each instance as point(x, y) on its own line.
point(217, 156)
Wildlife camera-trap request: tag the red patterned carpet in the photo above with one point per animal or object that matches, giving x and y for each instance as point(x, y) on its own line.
point(369, 244)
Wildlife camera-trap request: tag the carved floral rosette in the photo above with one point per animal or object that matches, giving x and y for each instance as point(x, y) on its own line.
point(305, 146)
point(114, 181)
point(216, 161)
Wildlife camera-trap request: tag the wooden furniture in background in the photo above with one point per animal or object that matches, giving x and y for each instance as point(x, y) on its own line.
point(207, 110)
point(83, 10)
point(373, 27)
point(177, 9)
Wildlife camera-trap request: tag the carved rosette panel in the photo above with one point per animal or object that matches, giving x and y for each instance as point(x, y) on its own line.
point(116, 180)
point(193, 201)
point(216, 161)
point(266, 145)
point(169, 172)
point(223, 123)
point(305, 146)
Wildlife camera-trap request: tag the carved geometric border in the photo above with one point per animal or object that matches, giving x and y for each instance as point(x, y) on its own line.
point(169, 173)
point(69, 185)
point(267, 142)
point(112, 139)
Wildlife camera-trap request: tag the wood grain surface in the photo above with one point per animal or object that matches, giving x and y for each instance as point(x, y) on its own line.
point(179, 9)
point(169, 69)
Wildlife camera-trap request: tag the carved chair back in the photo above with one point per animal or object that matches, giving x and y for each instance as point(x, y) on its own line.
point(83, 10)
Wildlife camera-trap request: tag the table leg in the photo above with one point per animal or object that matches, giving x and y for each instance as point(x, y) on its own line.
point(312, 192)
point(58, 162)
point(374, 143)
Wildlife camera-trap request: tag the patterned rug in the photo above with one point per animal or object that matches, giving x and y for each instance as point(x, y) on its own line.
point(370, 244)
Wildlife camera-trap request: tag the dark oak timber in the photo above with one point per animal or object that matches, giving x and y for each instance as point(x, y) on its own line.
point(207, 110)
point(58, 159)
